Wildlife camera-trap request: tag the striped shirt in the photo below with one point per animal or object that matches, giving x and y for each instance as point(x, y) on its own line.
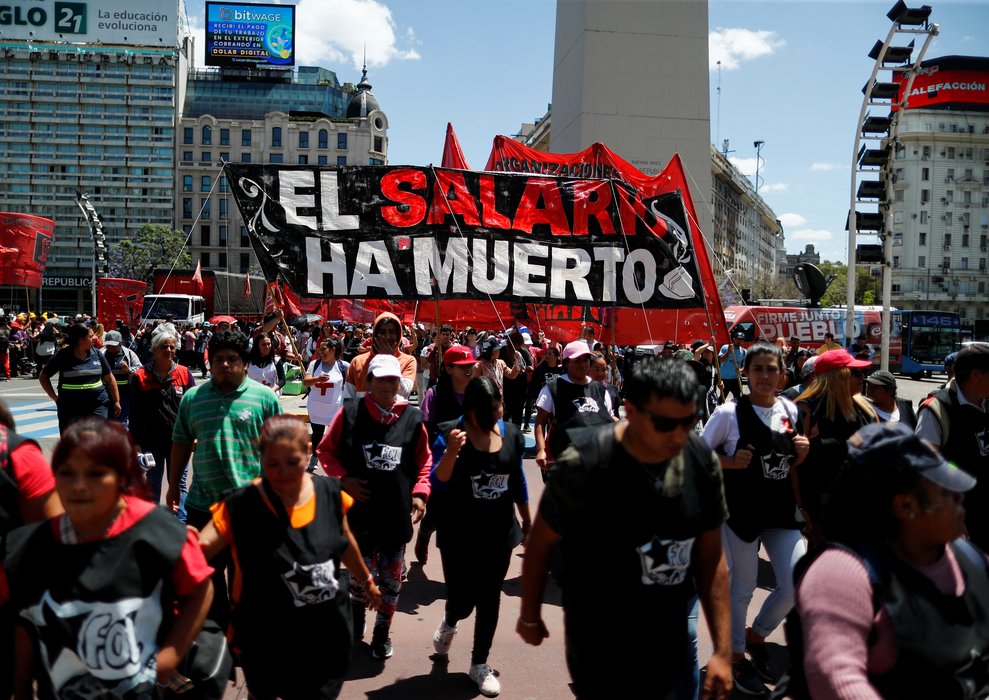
point(226, 428)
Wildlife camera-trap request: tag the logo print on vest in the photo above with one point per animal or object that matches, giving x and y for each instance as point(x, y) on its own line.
point(384, 458)
point(775, 466)
point(312, 584)
point(665, 562)
point(585, 404)
point(115, 643)
point(489, 487)
point(983, 440)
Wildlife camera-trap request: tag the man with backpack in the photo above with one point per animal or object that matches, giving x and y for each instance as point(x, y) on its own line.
point(956, 420)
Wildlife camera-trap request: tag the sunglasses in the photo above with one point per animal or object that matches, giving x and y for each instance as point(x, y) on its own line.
point(665, 424)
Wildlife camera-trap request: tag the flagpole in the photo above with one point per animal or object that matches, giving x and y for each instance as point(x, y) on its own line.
point(275, 301)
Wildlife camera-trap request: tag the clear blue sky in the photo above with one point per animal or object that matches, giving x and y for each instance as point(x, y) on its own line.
point(792, 74)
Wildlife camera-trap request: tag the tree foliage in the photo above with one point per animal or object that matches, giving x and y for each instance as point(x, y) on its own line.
point(868, 288)
point(155, 245)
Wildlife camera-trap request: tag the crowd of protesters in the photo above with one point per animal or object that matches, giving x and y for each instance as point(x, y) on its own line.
point(668, 474)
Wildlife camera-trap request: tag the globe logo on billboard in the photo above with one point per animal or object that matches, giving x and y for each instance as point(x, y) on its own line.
point(247, 35)
point(279, 41)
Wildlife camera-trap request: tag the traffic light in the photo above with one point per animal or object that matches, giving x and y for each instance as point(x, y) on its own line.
point(101, 265)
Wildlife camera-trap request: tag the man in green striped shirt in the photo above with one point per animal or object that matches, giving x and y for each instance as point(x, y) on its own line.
point(223, 417)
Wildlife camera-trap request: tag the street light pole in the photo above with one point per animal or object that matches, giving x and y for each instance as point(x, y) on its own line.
point(758, 150)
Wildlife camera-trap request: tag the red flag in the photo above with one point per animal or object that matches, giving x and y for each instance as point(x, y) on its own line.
point(197, 276)
point(453, 155)
point(279, 298)
point(247, 284)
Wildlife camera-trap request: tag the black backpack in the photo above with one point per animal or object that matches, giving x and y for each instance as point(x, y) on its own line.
point(4, 341)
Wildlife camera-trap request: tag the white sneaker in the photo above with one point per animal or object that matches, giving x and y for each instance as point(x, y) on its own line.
point(484, 676)
point(443, 637)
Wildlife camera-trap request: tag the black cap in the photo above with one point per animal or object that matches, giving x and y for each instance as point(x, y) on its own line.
point(887, 447)
point(882, 378)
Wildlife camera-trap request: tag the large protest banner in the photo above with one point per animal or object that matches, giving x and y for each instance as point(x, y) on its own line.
point(25, 241)
point(599, 161)
point(422, 233)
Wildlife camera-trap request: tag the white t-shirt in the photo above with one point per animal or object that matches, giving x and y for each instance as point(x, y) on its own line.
point(267, 375)
point(325, 401)
point(721, 430)
point(545, 398)
point(893, 417)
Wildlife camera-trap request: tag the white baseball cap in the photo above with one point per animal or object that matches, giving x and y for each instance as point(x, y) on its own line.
point(383, 366)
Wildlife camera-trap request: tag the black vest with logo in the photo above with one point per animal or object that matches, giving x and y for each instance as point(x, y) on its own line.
point(760, 496)
point(477, 508)
point(575, 406)
point(293, 590)
point(385, 456)
point(98, 608)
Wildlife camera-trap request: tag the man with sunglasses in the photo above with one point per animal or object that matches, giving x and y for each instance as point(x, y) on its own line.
point(636, 508)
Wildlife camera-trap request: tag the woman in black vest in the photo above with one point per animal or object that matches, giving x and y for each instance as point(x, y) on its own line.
point(443, 402)
point(477, 476)
point(896, 605)
point(378, 447)
point(573, 400)
point(99, 586)
point(290, 535)
point(758, 447)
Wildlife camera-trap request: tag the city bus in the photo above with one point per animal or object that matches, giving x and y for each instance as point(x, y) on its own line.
point(919, 340)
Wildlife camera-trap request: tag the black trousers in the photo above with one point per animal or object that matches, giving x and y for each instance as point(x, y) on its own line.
point(219, 609)
point(474, 575)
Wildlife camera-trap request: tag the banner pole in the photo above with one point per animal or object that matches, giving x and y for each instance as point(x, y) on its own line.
point(275, 301)
point(27, 300)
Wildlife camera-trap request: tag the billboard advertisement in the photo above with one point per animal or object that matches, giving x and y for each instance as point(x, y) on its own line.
point(25, 242)
point(954, 81)
point(112, 22)
point(250, 35)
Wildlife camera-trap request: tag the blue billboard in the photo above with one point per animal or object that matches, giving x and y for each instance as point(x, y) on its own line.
point(250, 34)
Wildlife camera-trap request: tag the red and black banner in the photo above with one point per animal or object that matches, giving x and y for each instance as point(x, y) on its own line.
point(119, 299)
point(25, 242)
point(422, 233)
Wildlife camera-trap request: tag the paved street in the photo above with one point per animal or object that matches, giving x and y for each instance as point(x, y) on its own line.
point(525, 672)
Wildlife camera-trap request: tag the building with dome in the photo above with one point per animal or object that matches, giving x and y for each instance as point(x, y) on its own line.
point(303, 116)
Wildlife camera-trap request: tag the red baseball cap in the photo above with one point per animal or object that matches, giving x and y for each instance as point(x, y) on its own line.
point(458, 355)
point(836, 359)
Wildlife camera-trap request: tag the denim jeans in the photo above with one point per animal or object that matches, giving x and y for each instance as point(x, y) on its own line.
point(785, 548)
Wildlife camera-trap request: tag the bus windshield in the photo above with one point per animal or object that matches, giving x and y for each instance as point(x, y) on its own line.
point(931, 344)
point(156, 307)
